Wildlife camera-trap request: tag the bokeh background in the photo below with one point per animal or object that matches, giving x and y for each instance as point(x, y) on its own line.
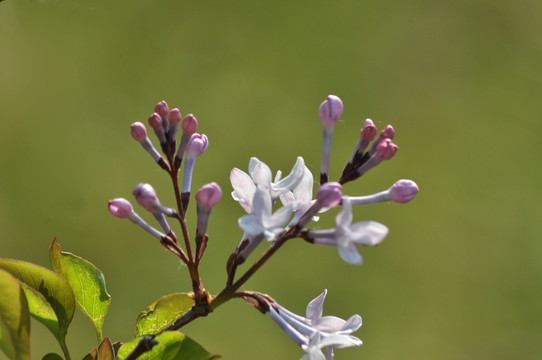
point(459, 276)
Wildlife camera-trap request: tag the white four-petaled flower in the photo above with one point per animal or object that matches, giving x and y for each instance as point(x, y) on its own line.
point(259, 174)
point(314, 332)
point(346, 235)
point(262, 220)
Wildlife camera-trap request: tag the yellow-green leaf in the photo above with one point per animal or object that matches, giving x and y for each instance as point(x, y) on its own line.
point(158, 315)
point(172, 345)
point(55, 290)
point(14, 318)
point(87, 282)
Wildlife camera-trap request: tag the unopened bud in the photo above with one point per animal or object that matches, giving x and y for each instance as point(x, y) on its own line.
point(197, 145)
point(155, 121)
point(387, 133)
point(209, 195)
point(146, 196)
point(329, 195)
point(403, 191)
point(120, 208)
point(386, 150)
point(174, 116)
point(330, 110)
point(190, 124)
point(369, 130)
point(138, 130)
point(162, 109)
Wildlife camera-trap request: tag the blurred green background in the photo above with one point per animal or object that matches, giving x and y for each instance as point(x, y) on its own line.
point(458, 277)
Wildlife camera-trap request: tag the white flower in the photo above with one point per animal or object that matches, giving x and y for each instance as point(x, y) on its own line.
point(346, 235)
point(316, 332)
point(262, 220)
point(259, 174)
point(302, 193)
point(318, 341)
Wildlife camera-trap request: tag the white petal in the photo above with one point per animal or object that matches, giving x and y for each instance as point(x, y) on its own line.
point(243, 187)
point(250, 225)
point(330, 324)
point(261, 203)
point(352, 324)
point(261, 174)
point(315, 307)
point(280, 218)
point(303, 190)
point(340, 341)
point(368, 233)
point(293, 178)
point(344, 218)
point(349, 253)
point(287, 197)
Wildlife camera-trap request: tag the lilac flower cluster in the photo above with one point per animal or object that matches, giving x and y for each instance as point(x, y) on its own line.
point(258, 193)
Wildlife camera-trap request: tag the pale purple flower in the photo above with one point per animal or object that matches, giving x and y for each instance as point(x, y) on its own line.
point(402, 192)
point(346, 236)
point(207, 197)
point(244, 185)
point(262, 220)
point(139, 133)
point(330, 111)
point(146, 197)
point(318, 341)
point(301, 195)
point(196, 146)
point(329, 195)
point(314, 332)
point(121, 208)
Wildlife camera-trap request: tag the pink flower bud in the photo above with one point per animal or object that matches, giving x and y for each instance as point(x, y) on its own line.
point(145, 196)
point(209, 195)
point(174, 116)
point(387, 133)
point(369, 130)
point(190, 124)
point(329, 195)
point(403, 191)
point(138, 130)
point(155, 121)
point(330, 110)
point(162, 109)
point(120, 208)
point(386, 150)
point(197, 144)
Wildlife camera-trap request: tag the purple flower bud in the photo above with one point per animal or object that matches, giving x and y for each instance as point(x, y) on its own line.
point(174, 116)
point(387, 133)
point(190, 124)
point(330, 110)
point(155, 121)
point(145, 196)
point(386, 150)
point(369, 130)
point(197, 145)
point(162, 109)
point(138, 130)
point(120, 208)
point(329, 195)
point(403, 191)
point(209, 195)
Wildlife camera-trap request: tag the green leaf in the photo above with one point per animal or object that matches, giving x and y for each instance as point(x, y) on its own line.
point(52, 288)
point(52, 356)
point(158, 315)
point(172, 345)
point(14, 318)
point(40, 309)
point(104, 351)
point(87, 282)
